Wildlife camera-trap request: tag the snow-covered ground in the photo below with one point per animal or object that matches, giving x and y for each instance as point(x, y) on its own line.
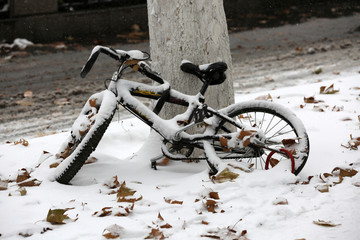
point(179, 201)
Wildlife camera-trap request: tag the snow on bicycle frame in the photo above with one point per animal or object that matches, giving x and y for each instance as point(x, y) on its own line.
point(218, 141)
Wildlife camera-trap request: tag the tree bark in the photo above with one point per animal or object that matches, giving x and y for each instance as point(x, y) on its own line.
point(194, 30)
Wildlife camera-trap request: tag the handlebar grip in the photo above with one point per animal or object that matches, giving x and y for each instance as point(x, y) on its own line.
point(94, 55)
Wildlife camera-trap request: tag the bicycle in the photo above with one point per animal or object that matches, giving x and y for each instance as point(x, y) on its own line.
point(258, 133)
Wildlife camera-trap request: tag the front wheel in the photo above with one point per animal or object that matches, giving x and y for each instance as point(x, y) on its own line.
point(86, 134)
point(283, 131)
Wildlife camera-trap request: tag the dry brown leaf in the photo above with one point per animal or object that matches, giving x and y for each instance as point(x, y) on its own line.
point(22, 141)
point(318, 109)
point(113, 183)
point(214, 195)
point(28, 94)
point(112, 231)
point(167, 200)
point(353, 143)
point(311, 100)
point(3, 185)
point(204, 222)
point(265, 97)
point(337, 108)
point(328, 90)
point(155, 234)
point(126, 194)
point(91, 160)
point(325, 223)
point(211, 205)
point(323, 188)
point(280, 201)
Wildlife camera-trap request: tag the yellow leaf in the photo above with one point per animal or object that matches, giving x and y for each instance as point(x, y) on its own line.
point(57, 216)
point(225, 175)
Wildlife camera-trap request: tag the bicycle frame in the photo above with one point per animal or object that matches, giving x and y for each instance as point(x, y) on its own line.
point(127, 91)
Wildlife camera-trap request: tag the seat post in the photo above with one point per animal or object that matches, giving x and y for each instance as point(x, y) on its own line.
point(204, 87)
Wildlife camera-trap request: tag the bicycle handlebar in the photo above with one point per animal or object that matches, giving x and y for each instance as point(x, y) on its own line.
point(117, 55)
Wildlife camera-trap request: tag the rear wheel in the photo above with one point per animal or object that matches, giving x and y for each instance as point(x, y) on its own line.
point(283, 132)
point(86, 134)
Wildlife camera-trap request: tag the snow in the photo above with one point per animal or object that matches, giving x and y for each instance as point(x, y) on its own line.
point(267, 204)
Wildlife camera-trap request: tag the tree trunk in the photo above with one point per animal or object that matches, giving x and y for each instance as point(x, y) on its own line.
point(194, 30)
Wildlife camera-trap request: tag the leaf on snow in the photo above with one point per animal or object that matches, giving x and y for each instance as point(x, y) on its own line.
point(113, 183)
point(224, 176)
point(22, 141)
point(24, 179)
point(311, 100)
point(328, 90)
point(112, 232)
point(280, 201)
point(343, 173)
point(353, 143)
point(155, 233)
point(3, 185)
point(265, 98)
point(57, 216)
point(126, 194)
point(118, 211)
point(170, 201)
point(323, 188)
point(325, 223)
point(226, 233)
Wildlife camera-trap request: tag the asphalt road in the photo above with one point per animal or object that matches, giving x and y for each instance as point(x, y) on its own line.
point(262, 59)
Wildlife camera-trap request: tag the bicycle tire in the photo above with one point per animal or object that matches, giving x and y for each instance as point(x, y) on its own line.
point(81, 149)
point(268, 110)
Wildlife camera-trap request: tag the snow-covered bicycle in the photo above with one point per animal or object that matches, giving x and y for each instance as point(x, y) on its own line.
point(258, 133)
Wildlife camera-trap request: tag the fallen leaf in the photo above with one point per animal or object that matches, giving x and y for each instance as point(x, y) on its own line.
point(353, 143)
point(112, 232)
point(3, 185)
point(214, 195)
point(91, 160)
point(28, 94)
point(22, 141)
point(126, 194)
point(323, 188)
point(224, 176)
point(280, 201)
point(318, 109)
point(325, 223)
point(155, 233)
point(167, 200)
point(337, 108)
point(265, 97)
point(328, 90)
point(24, 179)
point(57, 216)
point(311, 100)
point(113, 183)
